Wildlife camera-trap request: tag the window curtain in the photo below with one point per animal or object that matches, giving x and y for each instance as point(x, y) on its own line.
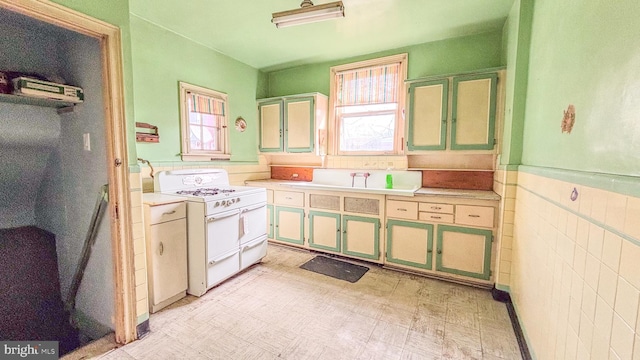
point(367, 86)
point(205, 104)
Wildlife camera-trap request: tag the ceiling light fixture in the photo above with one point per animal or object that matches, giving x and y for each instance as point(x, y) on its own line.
point(308, 13)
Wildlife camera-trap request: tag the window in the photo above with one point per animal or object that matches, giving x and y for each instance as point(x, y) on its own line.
point(367, 102)
point(204, 124)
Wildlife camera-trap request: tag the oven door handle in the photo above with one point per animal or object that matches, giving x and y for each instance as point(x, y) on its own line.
point(255, 207)
point(213, 262)
point(222, 216)
point(247, 247)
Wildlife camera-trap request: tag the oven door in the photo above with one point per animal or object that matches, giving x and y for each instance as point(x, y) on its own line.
point(222, 233)
point(253, 222)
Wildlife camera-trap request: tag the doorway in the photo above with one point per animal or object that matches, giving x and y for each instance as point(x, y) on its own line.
point(55, 159)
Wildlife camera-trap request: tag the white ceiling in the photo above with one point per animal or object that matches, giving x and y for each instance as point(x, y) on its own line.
point(242, 29)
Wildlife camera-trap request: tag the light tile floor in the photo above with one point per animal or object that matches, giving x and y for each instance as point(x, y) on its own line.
point(276, 310)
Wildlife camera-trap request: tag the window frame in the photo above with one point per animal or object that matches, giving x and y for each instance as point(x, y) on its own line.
point(189, 154)
point(334, 125)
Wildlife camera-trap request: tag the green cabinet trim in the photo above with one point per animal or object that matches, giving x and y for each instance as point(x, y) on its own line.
point(300, 212)
point(445, 108)
point(345, 236)
point(489, 145)
point(335, 216)
point(429, 255)
point(311, 124)
point(270, 225)
point(486, 274)
point(261, 130)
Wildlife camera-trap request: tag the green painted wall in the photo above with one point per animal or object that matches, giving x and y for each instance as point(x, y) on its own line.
point(516, 41)
point(116, 13)
point(586, 54)
point(162, 58)
point(440, 57)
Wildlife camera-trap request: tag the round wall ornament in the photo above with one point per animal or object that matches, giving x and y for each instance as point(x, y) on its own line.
point(241, 124)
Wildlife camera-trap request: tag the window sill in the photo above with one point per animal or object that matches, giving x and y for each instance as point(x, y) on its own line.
point(207, 157)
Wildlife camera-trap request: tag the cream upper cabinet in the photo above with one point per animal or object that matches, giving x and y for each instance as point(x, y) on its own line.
point(453, 113)
point(290, 124)
point(473, 112)
point(271, 125)
point(428, 115)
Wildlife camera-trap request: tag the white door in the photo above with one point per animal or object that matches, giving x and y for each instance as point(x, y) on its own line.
point(223, 233)
point(253, 222)
point(169, 247)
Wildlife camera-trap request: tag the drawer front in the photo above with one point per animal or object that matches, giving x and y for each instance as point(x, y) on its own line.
point(269, 196)
point(289, 198)
point(436, 208)
point(436, 217)
point(402, 209)
point(168, 212)
point(474, 215)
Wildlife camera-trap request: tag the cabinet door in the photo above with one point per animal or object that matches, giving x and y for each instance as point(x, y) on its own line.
point(271, 116)
point(474, 112)
point(428, 108)
point(361, 236)
point(299, 124)
point(324, 230)
point(169, 259)
point(270, 221)
point(290, 225)
point(464, 251)
point(410, 243)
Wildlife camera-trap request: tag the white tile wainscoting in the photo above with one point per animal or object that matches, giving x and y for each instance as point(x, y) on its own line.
point(572, 267)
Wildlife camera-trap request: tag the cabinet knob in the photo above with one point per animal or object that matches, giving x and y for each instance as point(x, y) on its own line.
point(429, 251)
point(338, 230)
point(161, 248)
point(439, 251)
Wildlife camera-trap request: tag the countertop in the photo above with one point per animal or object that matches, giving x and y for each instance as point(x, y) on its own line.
point(154, 199)
point(466, 194)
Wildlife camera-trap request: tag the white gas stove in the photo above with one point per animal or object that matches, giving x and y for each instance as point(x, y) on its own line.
point(227, 225)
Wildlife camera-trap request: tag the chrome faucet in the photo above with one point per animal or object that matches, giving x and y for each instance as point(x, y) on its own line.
point(364, 175)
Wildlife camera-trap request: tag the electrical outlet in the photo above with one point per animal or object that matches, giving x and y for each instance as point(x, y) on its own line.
point(86, 141)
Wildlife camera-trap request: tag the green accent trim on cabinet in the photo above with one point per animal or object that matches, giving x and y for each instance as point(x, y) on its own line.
point(271, 224)
point(429, 257)
point(335, 216)
point(311, 124)
point(300, 212)
point(489, 145)
point(266, 103)
point(445, 109)
point(486, 273)
point(345, 236)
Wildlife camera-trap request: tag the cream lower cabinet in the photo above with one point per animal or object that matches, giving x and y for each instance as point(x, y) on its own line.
point(464, 251)
point(410, 243)
point(166, 243)
point(324, 231)
point(448, 237)
point(361, 236)
point(288, 214)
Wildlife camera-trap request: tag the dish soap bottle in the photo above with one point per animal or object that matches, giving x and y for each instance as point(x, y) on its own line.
point(389, 184)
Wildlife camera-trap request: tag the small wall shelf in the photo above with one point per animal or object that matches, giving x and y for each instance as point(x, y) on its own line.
point(15, 99)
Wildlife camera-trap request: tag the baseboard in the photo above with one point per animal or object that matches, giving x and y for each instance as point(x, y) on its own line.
point(142, 329)
point(503, 296)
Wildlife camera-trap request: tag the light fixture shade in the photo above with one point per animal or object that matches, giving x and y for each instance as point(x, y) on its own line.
point(308, 14)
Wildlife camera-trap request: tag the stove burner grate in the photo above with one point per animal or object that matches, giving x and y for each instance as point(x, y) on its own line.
point(205, 191)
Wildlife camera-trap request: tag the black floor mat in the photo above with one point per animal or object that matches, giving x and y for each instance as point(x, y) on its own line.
point(335, 268)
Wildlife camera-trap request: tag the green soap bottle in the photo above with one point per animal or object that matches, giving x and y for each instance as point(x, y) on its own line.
point(389, 184)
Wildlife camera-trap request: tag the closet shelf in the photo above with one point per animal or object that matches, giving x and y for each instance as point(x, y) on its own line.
point(15, 99)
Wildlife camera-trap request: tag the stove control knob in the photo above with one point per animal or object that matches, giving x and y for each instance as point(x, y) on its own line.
point(216, 204)
point(223, 203)
point(237, 199)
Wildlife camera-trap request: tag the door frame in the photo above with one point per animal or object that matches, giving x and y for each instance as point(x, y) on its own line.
point(114, 112)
